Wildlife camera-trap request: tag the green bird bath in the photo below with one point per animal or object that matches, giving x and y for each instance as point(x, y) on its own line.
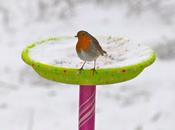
point(56, 59)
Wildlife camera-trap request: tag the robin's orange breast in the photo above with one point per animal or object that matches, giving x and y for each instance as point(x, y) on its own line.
point(83, 44)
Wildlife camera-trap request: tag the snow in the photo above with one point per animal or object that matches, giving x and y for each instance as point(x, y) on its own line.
point(29, 102)
point(120, 52)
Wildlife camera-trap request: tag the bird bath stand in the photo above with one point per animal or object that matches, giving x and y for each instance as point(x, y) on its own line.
point(56, 59)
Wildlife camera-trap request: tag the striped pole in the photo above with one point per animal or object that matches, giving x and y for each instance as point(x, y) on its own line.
point(87, 107)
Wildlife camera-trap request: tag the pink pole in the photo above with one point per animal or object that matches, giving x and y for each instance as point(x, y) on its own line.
point(87, 107)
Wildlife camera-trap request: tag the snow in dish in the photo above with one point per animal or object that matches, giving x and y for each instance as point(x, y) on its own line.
point(62, 53)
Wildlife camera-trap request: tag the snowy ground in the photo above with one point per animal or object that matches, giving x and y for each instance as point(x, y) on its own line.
point(28, 102)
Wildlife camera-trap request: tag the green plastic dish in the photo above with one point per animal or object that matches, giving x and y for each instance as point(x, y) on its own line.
point(72, 75)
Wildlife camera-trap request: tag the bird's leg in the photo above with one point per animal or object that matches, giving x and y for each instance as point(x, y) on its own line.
point(93, 69)
point(82, 66)
point(94, 64)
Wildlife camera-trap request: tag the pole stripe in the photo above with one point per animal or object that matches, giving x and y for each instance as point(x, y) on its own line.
point(87, 107)
point(88, 116)
point(88, 113)
point(91, 97)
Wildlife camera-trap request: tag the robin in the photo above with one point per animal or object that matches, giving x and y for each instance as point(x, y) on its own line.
point(88, 48)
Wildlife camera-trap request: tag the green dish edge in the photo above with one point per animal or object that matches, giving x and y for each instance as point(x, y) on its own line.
point(102, 76)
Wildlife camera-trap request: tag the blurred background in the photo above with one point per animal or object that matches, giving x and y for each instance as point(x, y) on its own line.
point(28, 102)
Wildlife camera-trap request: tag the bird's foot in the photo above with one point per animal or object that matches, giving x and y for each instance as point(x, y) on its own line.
point(80, 69)
point(93, 71)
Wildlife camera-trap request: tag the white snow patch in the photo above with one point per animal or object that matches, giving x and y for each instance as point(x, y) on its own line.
point(120, 52)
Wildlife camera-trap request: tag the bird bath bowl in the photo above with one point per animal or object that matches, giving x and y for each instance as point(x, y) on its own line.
point(56, 59)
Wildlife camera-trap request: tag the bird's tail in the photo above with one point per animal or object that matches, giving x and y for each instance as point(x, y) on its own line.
point(103, 52)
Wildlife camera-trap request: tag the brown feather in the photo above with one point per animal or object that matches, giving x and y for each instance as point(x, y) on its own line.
point(99, 48)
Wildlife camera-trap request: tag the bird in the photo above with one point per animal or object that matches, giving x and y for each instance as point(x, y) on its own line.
point(88, 48)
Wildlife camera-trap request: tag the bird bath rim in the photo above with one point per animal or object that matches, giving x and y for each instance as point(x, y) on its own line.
point(67, 75)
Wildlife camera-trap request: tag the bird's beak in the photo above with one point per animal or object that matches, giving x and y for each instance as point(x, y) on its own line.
point(76, 36)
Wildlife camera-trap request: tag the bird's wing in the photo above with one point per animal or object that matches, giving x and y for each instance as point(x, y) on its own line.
point(99, 48)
